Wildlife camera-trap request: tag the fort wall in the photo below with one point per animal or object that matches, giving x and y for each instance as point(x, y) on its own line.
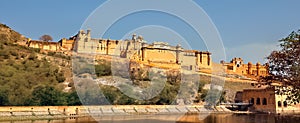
point(157, 54)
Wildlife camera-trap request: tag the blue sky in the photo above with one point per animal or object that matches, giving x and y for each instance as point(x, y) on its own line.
point(249, 29)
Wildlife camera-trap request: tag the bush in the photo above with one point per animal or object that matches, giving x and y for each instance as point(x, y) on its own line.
point(14, 53)
point(103, 69)
point(3, 26)
point(37, 50)
point(60, 77)
point(51, 53)
point(5, 54)
point(32, 57)
point(23, 55)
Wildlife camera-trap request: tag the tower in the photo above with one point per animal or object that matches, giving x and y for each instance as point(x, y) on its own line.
point(258, 69)
point(249, 68)
point(178, 50)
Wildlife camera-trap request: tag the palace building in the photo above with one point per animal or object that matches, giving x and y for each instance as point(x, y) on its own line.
point(237, 66)
point(156, 54)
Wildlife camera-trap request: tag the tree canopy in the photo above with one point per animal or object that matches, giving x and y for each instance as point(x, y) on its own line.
point(284, 64)
point(46, 38)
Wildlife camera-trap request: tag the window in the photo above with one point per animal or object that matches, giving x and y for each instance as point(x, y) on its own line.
point(285, 104)
point(258, 101)
point(252, 100)
point(264, 101)
point(191, 67)
point(279, 103)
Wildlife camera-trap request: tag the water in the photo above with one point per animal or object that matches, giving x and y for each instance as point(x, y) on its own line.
point(196, 118)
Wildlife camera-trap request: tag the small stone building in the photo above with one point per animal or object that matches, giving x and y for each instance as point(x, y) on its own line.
point(142, 54)
point(269, 99)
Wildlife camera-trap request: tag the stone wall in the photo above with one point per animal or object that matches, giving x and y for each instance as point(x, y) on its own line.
point(43, 45)
point(261, 99)
point(74, 111)
point(265, 99)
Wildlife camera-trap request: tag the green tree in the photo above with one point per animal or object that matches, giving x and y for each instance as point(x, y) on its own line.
point(48, 96)
point(73, 99)
point(3, 96)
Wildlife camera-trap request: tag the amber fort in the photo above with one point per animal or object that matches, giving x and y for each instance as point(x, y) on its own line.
point(156, 54)
point(162, 55)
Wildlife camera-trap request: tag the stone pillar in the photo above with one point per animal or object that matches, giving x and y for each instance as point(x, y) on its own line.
point(249, 68)
point(134, 41)
point(107, 47)
point(208, 59)
point(89, 33)
point(178, 50)
point(258, 68)
point(201, 56)
point(144, 54)
point(198, 58)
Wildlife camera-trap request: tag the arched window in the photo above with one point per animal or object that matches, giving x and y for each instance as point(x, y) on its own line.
point(279, 103)
point(258, 101)
point(264, 101)
point(285, 104)
point(252, 101)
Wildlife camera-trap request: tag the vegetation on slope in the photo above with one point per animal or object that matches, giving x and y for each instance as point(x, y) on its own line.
point(26, 79)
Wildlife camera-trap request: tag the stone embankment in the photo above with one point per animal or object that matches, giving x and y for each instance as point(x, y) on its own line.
point(56, 112)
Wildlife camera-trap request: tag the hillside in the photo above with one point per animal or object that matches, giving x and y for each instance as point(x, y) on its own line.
point(29, 77)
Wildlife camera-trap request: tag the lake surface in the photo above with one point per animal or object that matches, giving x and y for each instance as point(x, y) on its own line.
point(195, 118)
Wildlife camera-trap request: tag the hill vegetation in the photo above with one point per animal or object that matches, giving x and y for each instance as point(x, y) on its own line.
point(27, 78)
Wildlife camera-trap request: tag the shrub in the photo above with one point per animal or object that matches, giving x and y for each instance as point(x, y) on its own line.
point(23, 55)
point(51, 53)
point(37, 50)
point(103, 69)
point(14, 53)
point(5, 54)
point(60, 77)
point(32, 57)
